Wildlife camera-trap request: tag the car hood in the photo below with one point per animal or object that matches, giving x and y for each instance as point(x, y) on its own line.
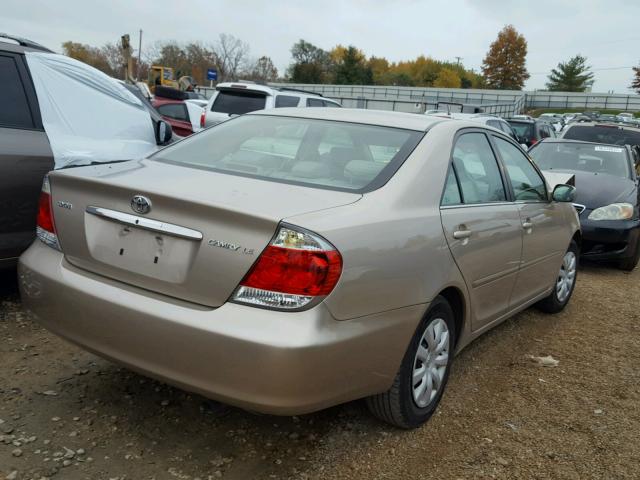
point(596, 190)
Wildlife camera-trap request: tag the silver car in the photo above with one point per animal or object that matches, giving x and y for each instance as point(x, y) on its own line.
point(286, 262)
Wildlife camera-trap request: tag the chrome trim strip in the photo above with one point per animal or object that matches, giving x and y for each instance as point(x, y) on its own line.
point(145, 223)
point(579, 207)
point(472, 205)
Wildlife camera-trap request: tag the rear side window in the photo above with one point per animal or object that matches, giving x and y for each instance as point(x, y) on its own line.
point(14, 108)
point(477, 170)
point(451, 195)
point(283, 101)
point(526, 181)
point(238, 103)
point(176, 111)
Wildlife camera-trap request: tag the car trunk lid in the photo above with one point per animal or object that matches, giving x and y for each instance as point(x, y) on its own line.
point(201, 235)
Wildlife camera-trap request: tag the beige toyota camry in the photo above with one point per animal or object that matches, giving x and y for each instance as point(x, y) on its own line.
point(286, 262)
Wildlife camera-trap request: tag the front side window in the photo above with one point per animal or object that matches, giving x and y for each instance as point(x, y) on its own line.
point(320, 153)
point(314, 102)
point(14, 108)
point(238, 103)
point(526, 181)
point(477, 170)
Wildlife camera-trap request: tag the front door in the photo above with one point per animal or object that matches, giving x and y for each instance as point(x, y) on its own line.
point(483, 229)
point(543, 225)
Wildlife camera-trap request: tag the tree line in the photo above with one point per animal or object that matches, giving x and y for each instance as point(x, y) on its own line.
point(503, 67)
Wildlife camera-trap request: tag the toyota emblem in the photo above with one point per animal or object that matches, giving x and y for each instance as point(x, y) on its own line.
point(140, 204)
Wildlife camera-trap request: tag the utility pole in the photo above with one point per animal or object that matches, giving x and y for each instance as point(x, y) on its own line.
point(139, 55)
point(458, 60)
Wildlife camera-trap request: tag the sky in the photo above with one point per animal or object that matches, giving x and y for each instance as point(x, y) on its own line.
point(605, 31)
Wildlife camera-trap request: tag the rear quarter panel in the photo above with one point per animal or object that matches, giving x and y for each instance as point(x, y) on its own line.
point(392, 243)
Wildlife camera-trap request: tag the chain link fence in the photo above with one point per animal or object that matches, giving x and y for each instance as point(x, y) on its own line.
point(499, 102)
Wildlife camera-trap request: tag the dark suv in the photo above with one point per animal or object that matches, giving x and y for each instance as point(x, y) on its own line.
point(530, 132)
point(25, 154)
point(25, 149)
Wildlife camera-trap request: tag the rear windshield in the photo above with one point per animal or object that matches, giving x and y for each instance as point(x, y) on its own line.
point(582, 157)
point(238, 103)
point(602, 134)
point(523, 130)
point(318, 153)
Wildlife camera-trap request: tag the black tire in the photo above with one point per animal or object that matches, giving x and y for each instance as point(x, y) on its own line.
point(396, 406)
point(630, 263)
point(552, 304)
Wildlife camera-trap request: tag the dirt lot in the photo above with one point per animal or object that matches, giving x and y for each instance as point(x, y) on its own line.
point(69, 415)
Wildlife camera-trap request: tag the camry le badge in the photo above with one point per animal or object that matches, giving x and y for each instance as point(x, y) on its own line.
point(140, 204)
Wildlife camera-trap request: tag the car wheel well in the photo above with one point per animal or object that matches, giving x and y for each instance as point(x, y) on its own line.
point(577, 237)
point(455, 299)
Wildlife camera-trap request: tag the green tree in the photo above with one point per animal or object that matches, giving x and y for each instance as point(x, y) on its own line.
point(448, 78)
point(352, 68)
point(504, 66)
point(572, 76)
point(310, 63)
point(635, 84)
point(93, 56)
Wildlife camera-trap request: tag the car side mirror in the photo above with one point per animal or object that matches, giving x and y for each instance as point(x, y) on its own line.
point(163, 133)
point(564, 193)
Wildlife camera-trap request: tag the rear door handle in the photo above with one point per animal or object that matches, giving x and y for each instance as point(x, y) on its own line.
point(461, 234)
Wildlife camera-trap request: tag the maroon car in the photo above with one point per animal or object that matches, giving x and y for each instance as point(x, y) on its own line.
point(178, 110)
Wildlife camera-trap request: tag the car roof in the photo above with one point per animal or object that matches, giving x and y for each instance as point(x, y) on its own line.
point(243, 85)
point(571, 140)
point(620, 126)
point(17, 44)
point(383, 118)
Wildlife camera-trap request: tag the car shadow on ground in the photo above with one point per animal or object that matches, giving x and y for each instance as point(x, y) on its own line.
point(8, 282)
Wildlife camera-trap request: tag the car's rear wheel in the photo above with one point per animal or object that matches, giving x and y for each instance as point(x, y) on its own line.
point(564, 284)
point(421, 380)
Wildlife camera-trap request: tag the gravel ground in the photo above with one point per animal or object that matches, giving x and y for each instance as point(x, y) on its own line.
point(66, 414)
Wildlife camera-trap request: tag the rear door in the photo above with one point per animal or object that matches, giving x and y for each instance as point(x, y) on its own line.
point(543, 224)
point(482, 226)
point(25, 156)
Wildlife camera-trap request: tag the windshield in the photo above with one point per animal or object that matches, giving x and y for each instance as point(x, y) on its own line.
point(238, 103)
point(326, 154)
point(583, 157)
point(523, 130)
point(601, 134)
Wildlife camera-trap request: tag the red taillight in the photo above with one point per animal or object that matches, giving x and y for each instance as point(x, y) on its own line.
point(45, 224)
point(203, 118)
point(45, 215)
point(295, 268)
point(297, 272)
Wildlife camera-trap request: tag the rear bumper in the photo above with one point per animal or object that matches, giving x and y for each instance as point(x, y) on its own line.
point(272, 362)
point(609, 240)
